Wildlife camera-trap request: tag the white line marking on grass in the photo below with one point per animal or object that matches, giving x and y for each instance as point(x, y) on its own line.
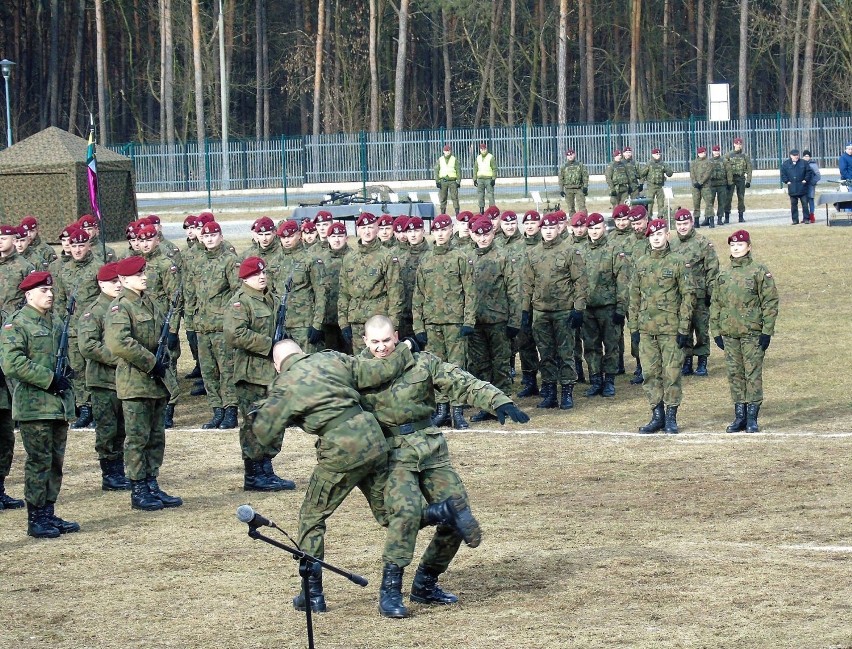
point(819, 548)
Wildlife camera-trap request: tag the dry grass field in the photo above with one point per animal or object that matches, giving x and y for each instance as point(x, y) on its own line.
point(593, 535)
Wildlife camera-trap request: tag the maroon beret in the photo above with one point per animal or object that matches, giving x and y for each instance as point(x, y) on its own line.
point(365, 218)
point(654, 226)
point(551, 218)
point(8, 230)
point(562, 215)
point(570, 152)
point(702, 149)
point(491, 211)
point(108, 272)
point(189, 222)
point(464, 216)
point(716, 147)
point(337, 228)
point(414, 223)
point(34, 280)
point(655, 151)
point(153, 219)
point(482, 225)
point(130, 266)
point(594, 219)
point(87, 221)
point(146, 233)
point(323, 216)
point(441, 222)
point(309, 226)
point(620, 211)
point(211, 227)
point(264, 224)
point(78, 235)
point(531, 215)
point(637, 213)
point(578, 219)
point(627, 148)
point(683, 214)
point(130, 229)
point(483, 145)
point(738, 140)
point(288, 228)
point(385, 220)
point(29, 222)
point(251, 266)
point(447, 147)
point(740, 235)
point(509, 216)
point(615, 153)
point(204, 218)
point(21, 232)
point(399, 223)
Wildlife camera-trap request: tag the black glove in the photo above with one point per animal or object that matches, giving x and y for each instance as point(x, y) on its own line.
point(159, 369)
point(613, 194)
point(346, 332)
point(421, 339)
point(576, 319)
point(465, 331)
point(641, 187)
point(763, 341)
point(512, 332)
point(634, 337)
point(562, 194)
point(585, 191)
point(493, 181)
point(58, 385)
point(682, 340)
point(438, 184)
point(475, 182)
point(315, 336)
point(526, 320)
point(696, 185)
point(413, 342)
point(720, 343)
point(172, 341)
point(747, 185)
point(511, 411)
point(707, 300)
point(618, 318)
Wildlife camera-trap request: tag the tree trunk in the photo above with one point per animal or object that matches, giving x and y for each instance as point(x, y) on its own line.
point(78, 64)
point(782, 55)
point(167, 74)
point(260, 81)
point(635, 27)
point(699, 50)
point(199, 79)
point(581, 43)
point(742, 108)
point(53, 66)
point(542, 46)
point(304, 67)
point(711, 40)
point(399, 78)
point(318, 65)
point(794, 91)
point(561, 72)
point(101, 71)
point(510, 64)
point(489, 60)
point(590, 63)
point(374, 69)
point(808, 64)
point(445, 51)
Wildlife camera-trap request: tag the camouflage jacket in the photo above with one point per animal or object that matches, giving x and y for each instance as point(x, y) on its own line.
point(662, 295)
point(745, 301)
point(497, 286)
point(639, 248)
point(463, 243)
point(408, 272)
point(617, 176)
point(132, 328)
point(164, 279)
point(35, 257)
point(306, 303)
point(333, 264)
point(573, 175)
point(100, 368)
point(739, 164)
point(28, 345)
point(555, 278)
point(701, 258)
point(319, 393)
point(98, 252)
point(717, 173)
point(189, 261)
point(607, 270)
point(444, 292)
point(44, 251)
point(216, 283)
point(170, 250)
point(515, 245)
point(655, 172)
point(249, 328)
point(622, 240)
point(78, 278)
point(632, 174)
point(369, 285)
point(13, 269)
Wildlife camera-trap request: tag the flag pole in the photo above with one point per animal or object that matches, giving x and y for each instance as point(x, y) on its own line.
point(94, 185)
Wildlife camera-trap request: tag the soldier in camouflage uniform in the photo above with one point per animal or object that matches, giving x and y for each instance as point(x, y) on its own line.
point(555, 288)
point(492, 213)
point(310, 238)
point(715, 182)
point(461, 237)
point(42, 403)
point(443, 310)
point(132, 327)
point(92, 227)
point(419, 465)
point(338, 248)
point(267, 246)
point(654, 175)
point(323, 221)
point(369, 283)
point(579, 241)
point(740, 165)
point(703, 261)
point(38, 248)
point(249, 327)
point(498, 315)
point(635, 185)
point(448, 179)
point(617, 179)
point(697, 170)
point(742, 316)
point(56, 266)
point(417, 248)
point(100, 380)
point(188, 259)
point(400, 234)
point(639, 223)
point(302, 278)
point(484, 176)
point(169, 249)
point(573, 182)
point(607, 270)
point(386, 235)
point(662, 298)
point(621, 238)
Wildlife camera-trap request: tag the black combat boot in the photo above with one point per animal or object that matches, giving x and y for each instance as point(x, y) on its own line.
point(578, 365)
point(548, 392)
point(167, 500)
point(111, 479)
point(595, 385)
point(230, 419)
point(64, 527)
point(530, 384)
point(454, 512)
point(390, 592)
point(701, 370)
point(6, 501)
point(620, 369)
point(459, 422)
point(39, 524)
point(425, 589)
point(218, 416)
point(657, 423)
point(608, 386)
point(141, 498)
point(637, 379)
point(686, 369)
point(283, 483)
point(85, 419)
point(315, 594)
point(169, 416)
point(483, 415)
point(718, 220)
point(198, 390)
point(727, 218)
point(708, 221)
point(442, 415)
point(671, 420)
point(253, 477)
point(742, 217)
point(567, 401)
point(752, 410)
point(739, 423)
point(195, 373)
point(697, 222)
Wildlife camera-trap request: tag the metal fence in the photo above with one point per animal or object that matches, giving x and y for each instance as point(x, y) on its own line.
point(520, 151)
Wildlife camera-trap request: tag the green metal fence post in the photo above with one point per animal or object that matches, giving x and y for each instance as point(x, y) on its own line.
point(526, 162)
point(207, 174)
point(780, 147)
point(284, 166)
point(363, 137)
point(608, 141)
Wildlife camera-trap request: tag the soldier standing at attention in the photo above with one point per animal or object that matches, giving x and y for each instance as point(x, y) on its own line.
point(132, 328)
point(697, 169)
point(417, 248)
point(64, 257)
point(43, 250)
point(323, 221)
point(386, 235)
point(369, 283)
point(574, 182)
point(190, 258)
point(701, 259)
point(22, 247)
point(743, 314)
point(632, 173)
point(249, 328)
point(448, 179)
point(309, 234)
point(100, 380)
point(267, 246)
point(484, 176)
point(555, 288)
point(654, 174)
point(169, 249)
point(531, 225)
point(622, 239)
point(399, 233)
point(42, 403)
point(92, 227)
point(217, 282)
point(492, 213)
point(617, 179)
point(715, 182)
point(444, 310)
point(580, 241)
point(461, 237)
point(639, 223)
point(662, 298)
point(337, 250)
point(419, 465)
point(740, 166)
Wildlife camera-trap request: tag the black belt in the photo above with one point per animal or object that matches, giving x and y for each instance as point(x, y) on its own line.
point(408, 427)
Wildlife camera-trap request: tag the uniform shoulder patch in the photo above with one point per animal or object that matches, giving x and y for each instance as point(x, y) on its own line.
point(769, 275)
point(87, 316)
point(319, 261)
point(395, 259)
point(7, 326)
point(514, 260)
point(688, 265)
point(621, 254)
point(710, 244)
point(173, 269)
point(238, 305)
point(470, 261)
point(114, 308)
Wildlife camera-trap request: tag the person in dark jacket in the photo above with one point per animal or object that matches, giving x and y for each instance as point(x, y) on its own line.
point(797, 175)
point(816, 178)
point(844, 163)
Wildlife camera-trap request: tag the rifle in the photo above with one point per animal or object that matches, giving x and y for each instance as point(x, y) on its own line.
point(163, 341)
point(281, 317)
point(61, 370)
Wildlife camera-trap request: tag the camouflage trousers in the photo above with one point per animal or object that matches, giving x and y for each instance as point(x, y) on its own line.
point(554, 338)
point(217, 369)
point(249, 394)
point(451, 188)
point(44, 441)
point(407, 485)
point(484, 191)
point(524, 346)
point(601, 339)
point(489, 354)
point(699, 330)
point(618, 195)
point(109, 424)
point(656, 197)
point(739, 189)
point(575, 200)
point(711, 194)
point(145, 444)
point(744, 361)
point(446, 343)
point(334, 339)
point(300, 335)
point(697, 194)
point(661, 360)
point(7, 441)
point(328, 489)
point(78, 364)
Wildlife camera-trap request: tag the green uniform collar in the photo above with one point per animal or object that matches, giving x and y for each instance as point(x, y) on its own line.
point(215, 252)
point(484, 251)
point(659, 253)
point(741, 261)
point(291, 360)
point(369, 247)
point(688, 236)
point(600, 242)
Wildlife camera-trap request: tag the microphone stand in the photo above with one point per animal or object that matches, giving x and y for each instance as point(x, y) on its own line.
point(306, 562)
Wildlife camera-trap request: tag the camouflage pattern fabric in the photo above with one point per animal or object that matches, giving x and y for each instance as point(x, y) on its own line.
point(44, 441)
point(307, 299)
point(573, 176)
point(618, 181)
point(216, 359)
point(108, 414)
point(489, 355)
point(701, 258)
point(248, 396)
point(607, 270)
point(145, 444)
point(698, 168)
point(408, 274)
point(7, 433)
point(13, 269)
point(443, 292)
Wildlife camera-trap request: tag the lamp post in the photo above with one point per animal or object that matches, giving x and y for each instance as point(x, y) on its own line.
point(6, 68)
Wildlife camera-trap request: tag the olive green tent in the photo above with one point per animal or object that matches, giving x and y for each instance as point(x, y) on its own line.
point(45, 176)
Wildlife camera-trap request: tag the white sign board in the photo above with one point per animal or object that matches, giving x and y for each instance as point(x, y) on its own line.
point(718, 102)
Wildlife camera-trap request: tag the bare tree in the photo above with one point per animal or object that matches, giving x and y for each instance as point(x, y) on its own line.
point(101, 70)
point(808, 63)
point(561, 60)
point(197, 75)
point(53, 66)
point(399, 79)
point(445, 52)
point(742, 110)
point(797, 45)
point(374, 68)
point(711, 40)
point(635, 27)
point(78, 64)
point(590, 62)
point(318, 54)
point(167, 74)
point(510, 64)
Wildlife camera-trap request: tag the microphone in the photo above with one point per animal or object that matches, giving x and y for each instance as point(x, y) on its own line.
point(246, 514)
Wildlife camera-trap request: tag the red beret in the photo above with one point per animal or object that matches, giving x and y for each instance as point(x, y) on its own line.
point(578, 219)
point(531, 215)
point(491, 211)
point(464, 216)
point(637, 213)
point(399, 223)
point(655, 151)
point(337, 228)
point(594, 219)
point(87, 221)
point(385, 220)
point(130, 229)
point(189, 222)
point(483, 145)
point(309, 226)
point(683, 214)
point(446, 147)
point(620, 211)
point(482, 225)
point(130, 266)
point(617, 152)
point(8, 230)
point(414, 223)
point(550, 219)
point(251, 266)
point(702, 149)
point(562, 215)
point(509, 216)
point(29, 222)
point(153, 219)
point(204, 218)
point(288, 228)
point(34, 280)
point(146, 233)
point(21, 232)
point(264, 224)
point(365, 218)
point(69, 229)
point(323, 216)
point(627, 148)
point(108, 272)
point(78, 235)
point(740, 235)
point(655, 226)
point(738, 140)
point(211, 227)
point(570, 152)
point(716, 147)
point(441, 222)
